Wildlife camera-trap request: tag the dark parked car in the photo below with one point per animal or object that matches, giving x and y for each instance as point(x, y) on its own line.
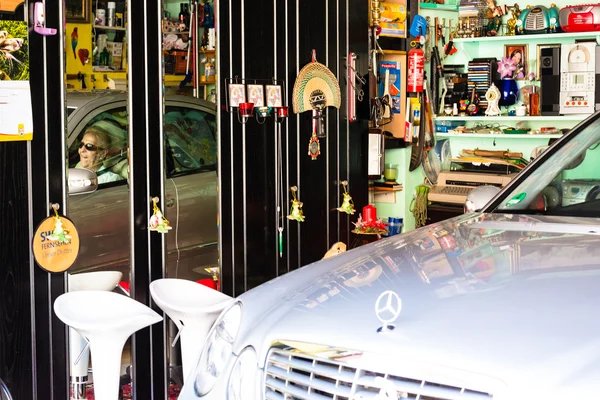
point(102, 217)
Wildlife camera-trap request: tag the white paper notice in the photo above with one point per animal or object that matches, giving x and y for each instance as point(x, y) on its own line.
point(16, 117)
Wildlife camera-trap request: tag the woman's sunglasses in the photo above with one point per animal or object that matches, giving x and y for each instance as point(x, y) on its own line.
point(89, 146)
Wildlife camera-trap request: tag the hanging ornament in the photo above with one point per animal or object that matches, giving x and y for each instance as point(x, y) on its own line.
point(347, 204)
point(316, 88)
point(296, 210)
point(59, 234)
point(314, 147)
point(158, 222)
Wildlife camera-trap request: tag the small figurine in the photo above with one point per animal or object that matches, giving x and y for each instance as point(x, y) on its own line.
point(347, 204)
point(296, 210)
point(157, 221)
point(494, 14)
point(59, 234)
point(511, 24)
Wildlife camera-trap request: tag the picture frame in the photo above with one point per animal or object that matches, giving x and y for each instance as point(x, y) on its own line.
point(237, 94)
point(273, 95)
point(77, 11)
point(518, 52)
point(256, 95)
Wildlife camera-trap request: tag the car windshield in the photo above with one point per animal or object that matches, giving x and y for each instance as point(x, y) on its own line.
point(565, 181)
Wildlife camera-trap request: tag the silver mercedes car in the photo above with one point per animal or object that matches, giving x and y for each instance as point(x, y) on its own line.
point(102, 216)
point(495, 304)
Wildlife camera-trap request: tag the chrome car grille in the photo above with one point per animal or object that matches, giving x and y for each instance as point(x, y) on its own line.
point(291, 375)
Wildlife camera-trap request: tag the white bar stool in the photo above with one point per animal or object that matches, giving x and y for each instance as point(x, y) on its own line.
point(192, 306)
point(78, 351)
point(106, 320)
point(4, 393)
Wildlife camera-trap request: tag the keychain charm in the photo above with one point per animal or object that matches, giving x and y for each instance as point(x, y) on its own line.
point(296, 210)
point(59, 234)
point(314, 147)
point(347, 204)
point(158, 222)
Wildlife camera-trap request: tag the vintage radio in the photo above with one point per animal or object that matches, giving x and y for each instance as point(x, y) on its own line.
point(538, 19)
point(581, 18)
point(577, 78)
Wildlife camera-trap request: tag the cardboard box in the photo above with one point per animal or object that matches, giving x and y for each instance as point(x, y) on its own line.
point(115, 54)
point(398, 125)
point(393, 18)
point(394, 86)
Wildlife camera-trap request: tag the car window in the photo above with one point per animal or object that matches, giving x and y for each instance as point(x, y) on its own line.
point(191, 141)
point(109, 163)
point(566, 182)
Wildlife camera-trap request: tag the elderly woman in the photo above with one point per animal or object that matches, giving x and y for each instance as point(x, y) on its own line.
point(93, 150)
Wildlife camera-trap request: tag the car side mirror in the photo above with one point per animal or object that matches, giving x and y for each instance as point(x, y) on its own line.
point(82, 181)
point(479, 197)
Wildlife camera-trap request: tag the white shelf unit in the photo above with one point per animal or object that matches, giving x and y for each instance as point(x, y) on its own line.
point(572, 117)
point(537, 38)
point(497, 136)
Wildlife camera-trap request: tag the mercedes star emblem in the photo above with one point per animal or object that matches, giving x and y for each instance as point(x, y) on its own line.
point(387, 309)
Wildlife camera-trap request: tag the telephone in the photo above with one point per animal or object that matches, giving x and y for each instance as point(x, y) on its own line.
point(39, 20)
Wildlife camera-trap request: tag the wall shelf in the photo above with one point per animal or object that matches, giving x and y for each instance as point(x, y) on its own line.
point(440, 7)
point(497, 136)
point(543, 118)
point(537, 38)
point(110, 28)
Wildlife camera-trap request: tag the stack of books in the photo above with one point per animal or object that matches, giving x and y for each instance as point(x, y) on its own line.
point(387, 186)
point(481, 74)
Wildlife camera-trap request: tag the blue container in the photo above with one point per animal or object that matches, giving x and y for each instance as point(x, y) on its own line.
point(398, 222)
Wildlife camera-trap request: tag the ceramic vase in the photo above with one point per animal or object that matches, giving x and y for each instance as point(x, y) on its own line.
point(509, 92)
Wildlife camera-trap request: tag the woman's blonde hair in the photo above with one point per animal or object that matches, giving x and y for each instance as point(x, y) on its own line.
point(103, 138)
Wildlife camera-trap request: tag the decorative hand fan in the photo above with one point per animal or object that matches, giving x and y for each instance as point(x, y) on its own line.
point(315, 88)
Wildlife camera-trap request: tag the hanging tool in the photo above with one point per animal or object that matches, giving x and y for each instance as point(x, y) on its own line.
point(81, 78)
point(188, 72)
point(434, 65)
point(449, 48)
point(416, 154)
point(386, 99)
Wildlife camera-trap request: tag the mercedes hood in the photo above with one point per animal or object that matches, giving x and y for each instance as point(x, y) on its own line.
point(505, 293)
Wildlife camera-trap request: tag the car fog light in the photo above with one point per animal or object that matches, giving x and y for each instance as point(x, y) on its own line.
point(218, 349)
point(243, 379)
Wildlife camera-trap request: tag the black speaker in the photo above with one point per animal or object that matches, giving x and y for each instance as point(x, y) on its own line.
point(550, 80)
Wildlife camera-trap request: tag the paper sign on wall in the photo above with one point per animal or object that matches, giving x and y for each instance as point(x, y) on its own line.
point(16, 117)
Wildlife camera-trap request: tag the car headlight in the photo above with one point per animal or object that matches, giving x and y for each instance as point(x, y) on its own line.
point(218, 349)
point(243, 379)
